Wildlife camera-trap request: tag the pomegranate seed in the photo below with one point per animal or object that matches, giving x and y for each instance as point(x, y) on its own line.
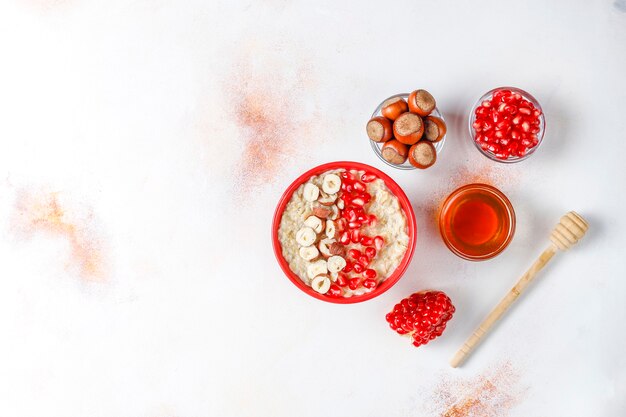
point(366, 240)
point(354, 253)
point(358, 268)
point(358, 202)
point(370, 252)
point(358, 186)
point(361, 218)
point(355, 235)
point(536, 112)
point(366, 197)
point(334, 291)
point(372, 220)
point(354, 283)
point(369, 273)
point(363, 261)
point(477, 126)
point(368, 177)
point(525, 142)
point(487, 125)
point(504, 141)
point(342, 280)
point(517, 120)
point(349, 188)
point(370, 283)
point(348, 267)
point(344, 239)
point(525, 111)
point(511, 109)
point(486, 103)
point(379, 241)
point(525, 126)
point(354, 225)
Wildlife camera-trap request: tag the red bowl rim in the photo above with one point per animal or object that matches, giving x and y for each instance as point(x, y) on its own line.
point(404, 203)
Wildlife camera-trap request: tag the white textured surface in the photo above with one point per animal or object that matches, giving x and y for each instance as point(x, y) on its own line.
point(123, 108)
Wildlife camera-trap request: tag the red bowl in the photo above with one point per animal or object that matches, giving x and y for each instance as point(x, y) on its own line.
point(404, 203)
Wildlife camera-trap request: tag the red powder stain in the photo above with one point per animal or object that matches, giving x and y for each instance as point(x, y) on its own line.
point(270, 102)
point(43, 213)
point(492, 394)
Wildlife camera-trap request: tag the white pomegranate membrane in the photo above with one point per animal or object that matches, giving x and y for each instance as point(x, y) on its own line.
point(370, 234)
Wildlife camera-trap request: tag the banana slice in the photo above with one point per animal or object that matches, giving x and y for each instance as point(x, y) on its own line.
point(309, 253)
point(336, 263)
point(324, 246)
point(314, 223)
point(330, 229)
point(310, 192)
point(321, 284)
point(331, 184)
point(316, 268)
point(306, 236)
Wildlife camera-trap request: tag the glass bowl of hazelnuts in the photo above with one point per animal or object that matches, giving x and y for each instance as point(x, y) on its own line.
point(407, 131)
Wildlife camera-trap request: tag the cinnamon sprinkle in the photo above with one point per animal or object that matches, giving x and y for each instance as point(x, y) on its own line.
point(269, 99)
point(44, 213)
point(494, 393)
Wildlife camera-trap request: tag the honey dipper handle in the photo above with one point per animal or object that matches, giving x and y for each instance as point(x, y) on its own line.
point(502, 307)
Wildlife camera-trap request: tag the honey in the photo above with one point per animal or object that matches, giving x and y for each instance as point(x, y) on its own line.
point(477, 222)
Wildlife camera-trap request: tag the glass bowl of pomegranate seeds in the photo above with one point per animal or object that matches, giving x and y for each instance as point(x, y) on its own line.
point(344, 232)
point(402, 152)
point(507, 124)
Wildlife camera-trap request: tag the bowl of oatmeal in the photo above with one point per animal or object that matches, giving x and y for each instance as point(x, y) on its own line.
point(344, 232)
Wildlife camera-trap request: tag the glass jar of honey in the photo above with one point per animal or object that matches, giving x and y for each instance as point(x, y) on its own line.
point(477, 222)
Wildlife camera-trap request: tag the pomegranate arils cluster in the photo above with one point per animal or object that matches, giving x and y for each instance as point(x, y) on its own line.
point(353, 218)
point(422, 316)
point(507, 125)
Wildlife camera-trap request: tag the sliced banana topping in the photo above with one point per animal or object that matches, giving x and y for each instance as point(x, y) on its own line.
point(336, 263)
point(305, 236)
point(321, 284)
point(316, 268)
point(330, 229)
point(311, 192)
point(331, 184)
point(314, 223)
point(309, 253)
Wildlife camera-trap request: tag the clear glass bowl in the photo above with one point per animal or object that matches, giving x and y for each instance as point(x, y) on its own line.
point(511, 159)
point(378, 146)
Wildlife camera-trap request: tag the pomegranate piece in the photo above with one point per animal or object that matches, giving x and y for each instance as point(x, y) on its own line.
point(342, 280)
point(354, 253)
point(344, 239)
point(334, 291)
point(363, 260)
point(370, 253)
point(370, 284)
point(358, 268)
point(369, 273)
point(368, 177)
point(379, 242)
point(422, 315)
point(354, 283)
point(349, 266)
point(355, 234)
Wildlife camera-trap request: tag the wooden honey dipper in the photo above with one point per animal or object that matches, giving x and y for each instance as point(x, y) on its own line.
point(568, 232)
